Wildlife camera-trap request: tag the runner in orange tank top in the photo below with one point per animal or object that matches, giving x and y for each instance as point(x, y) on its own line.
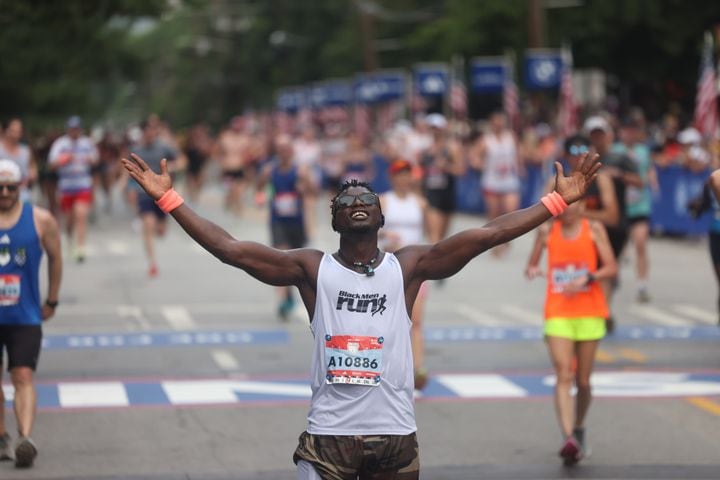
point(575, 312)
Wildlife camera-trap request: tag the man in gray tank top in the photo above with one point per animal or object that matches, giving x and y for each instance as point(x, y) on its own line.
point(362, 421)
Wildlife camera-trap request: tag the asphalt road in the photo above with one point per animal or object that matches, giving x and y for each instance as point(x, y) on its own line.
point(192, 376)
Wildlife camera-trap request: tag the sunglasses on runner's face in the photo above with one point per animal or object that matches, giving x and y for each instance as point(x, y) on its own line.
point(347, 200)
point(578, 149)
point(12, 188)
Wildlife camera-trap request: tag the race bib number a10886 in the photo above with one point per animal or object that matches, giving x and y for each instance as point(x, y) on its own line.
point(354, 360)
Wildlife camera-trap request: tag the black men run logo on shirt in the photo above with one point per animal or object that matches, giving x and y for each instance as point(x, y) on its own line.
point(361, 302)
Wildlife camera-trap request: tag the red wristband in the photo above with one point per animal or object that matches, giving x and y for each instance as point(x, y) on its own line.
point(169, 201)
point(555, 203)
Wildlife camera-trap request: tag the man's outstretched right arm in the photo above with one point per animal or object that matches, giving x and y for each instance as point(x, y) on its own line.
point(271, 266)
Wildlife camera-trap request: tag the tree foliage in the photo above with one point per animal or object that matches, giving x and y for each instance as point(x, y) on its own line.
point(210, 59)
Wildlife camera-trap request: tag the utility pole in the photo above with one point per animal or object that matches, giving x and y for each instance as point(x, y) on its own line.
point(536, 24)
point(367, 32)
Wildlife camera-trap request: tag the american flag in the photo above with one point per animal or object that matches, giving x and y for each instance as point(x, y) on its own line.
point(567, 112)
point(458, 98)
point(706, 117)
point(510, 102)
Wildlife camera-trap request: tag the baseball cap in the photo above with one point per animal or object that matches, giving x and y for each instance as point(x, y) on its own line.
point(73, 122)
point(436, 120)
point(400, 165)
point(596, 123)
point(689, 136)
point(9, 171)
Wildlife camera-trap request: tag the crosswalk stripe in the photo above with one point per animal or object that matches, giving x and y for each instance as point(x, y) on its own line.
point(519, 313)
point(225, 360)
point(178, 317)
point(696, 313)
point(474, 315)
point(656, 315)
point(134, 313)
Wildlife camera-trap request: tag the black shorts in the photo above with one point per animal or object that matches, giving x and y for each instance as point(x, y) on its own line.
point(22, 343)
point(147, 205)
point(288, 235)
point(233, 175)
point(443, 200)
point(618, 238)
point(633, 220)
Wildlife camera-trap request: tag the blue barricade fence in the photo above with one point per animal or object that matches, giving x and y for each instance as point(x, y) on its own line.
point(677, 187)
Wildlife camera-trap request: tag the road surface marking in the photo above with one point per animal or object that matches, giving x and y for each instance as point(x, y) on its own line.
point(632, 354)
point(134, 313)
point(603, 356)
point(706, 404)
point(525, 316)
point(102, 394)
point(178, 317)
point(656, 315)
point(475, 315)
point(117, 248)
point(696, 313)
point(225, 360)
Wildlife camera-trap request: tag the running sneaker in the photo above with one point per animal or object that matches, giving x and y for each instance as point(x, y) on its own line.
point(571, 451)
point(25, 452)
point(5, 447)
point(643, 296)
point(579, 434)
point(153, 272)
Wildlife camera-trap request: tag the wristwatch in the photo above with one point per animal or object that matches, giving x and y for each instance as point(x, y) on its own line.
point(51, 304)
point(590, 279)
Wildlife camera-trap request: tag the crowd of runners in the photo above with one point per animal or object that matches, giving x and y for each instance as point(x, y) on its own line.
point(392, 198)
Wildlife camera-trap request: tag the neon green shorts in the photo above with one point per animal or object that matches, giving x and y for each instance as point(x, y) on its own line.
point(578, 329)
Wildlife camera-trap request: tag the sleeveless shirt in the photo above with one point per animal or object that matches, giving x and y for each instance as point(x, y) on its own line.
point(362, 366)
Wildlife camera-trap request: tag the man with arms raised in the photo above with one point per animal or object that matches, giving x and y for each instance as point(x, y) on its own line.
point(362, 420)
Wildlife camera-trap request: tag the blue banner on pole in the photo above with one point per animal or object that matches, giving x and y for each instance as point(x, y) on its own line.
point(669, 212)
point(488, 75)
point(292, 99)
point(431, 80)
point(543, 69)
point(379, 87)
point(331, 94)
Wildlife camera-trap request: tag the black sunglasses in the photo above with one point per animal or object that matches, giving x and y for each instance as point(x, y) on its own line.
point(10, 188)
point(347, 200)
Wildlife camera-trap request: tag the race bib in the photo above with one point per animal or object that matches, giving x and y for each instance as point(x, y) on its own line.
point(563, 275)
point(353, 360)
point(436, 179)
point(9, 290)
point(287, 204)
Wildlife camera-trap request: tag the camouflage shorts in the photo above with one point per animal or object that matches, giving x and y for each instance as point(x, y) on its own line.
point(368, 457)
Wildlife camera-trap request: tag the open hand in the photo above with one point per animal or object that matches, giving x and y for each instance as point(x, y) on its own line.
point(154, 184)
point(574, 186)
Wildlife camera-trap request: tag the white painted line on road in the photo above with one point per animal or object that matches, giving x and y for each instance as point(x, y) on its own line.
point(225, 360)
point(178, 317)
point(100, 394)
point(225, 391)
point(480, 386)
point(522, 314)
point(656, 315)
point(696, 313)
point(135, 313)
point(475, 315)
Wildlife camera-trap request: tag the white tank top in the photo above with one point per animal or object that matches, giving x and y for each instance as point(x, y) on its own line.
point(501, 173)
point(362, 366)
point(404, 217)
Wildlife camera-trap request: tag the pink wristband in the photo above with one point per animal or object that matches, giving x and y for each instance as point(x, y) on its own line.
point(169, 201)
point(555, 203)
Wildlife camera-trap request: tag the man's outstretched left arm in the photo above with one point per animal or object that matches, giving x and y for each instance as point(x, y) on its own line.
point(449, 256)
